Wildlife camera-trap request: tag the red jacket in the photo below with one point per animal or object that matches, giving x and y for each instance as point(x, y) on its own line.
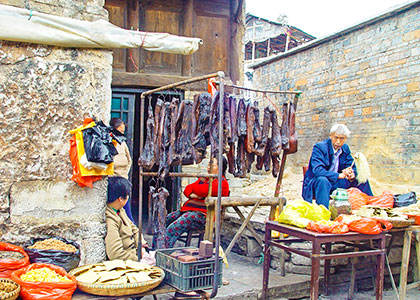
point(201, 189)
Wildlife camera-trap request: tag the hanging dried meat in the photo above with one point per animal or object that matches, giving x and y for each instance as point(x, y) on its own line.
point(233, 120)
point(241, 118)
point(147, 157)
point(265, 133)
point(201, 132)
point(159, 217)
point(293, 142)
point(250, 123)
point(150, 210)
point(276, 144)
point(164, 137)
point(231, 159)
point(285, 131)
point(267, 156)
point(257, 127)
point(276, 165)
point(227, 129)
point(214, 125)
point(241, 158)
point(183, 127)
point(233, 138)
point(173, 156)
point(156, 137)
point(241, 165)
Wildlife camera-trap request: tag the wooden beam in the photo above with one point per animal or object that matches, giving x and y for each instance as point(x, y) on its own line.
point(152, 80)
point(245, 201)
point(188, 31)
point(193, 175)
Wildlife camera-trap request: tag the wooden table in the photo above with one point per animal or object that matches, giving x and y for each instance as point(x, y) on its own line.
point(317, 239)
point(235, 203)
point(408, 233)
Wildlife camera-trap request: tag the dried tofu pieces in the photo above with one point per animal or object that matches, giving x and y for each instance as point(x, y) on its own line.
point(135, 265)
point(113, 264)
point(89, 276)
point(117, 272)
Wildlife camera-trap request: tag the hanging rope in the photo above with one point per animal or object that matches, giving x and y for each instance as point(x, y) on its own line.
point(275, 106)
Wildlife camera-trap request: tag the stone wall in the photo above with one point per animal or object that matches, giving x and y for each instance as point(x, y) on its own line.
point(369, 79)
point(45, 92)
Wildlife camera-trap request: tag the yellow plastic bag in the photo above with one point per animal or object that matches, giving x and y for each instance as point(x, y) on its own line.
point(299, 213)
point(81, 151)
point(318, 212)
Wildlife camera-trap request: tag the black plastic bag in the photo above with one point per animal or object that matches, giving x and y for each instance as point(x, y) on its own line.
point(405, 199)
point(66, 260)
point(98, 144)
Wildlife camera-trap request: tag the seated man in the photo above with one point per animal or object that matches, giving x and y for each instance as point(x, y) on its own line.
point(122, 235)
point(331, 167)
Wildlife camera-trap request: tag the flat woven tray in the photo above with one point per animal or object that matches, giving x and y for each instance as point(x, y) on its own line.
point(118, 289)
point(401, 223)
point(12, 295)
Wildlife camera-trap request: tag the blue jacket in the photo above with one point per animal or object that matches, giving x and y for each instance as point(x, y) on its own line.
point(320, 163)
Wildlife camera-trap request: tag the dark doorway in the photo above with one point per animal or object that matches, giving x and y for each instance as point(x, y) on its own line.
point(126, 104)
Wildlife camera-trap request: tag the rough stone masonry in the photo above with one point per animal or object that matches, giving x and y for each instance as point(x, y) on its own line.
point(45, 92)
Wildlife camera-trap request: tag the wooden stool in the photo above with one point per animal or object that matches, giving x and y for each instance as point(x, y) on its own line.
point(406, 259)
point(192, 234)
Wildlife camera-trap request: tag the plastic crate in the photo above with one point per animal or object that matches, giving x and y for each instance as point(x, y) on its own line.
point(188, 276)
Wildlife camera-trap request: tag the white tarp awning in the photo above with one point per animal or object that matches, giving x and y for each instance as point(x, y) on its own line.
point(22, 25)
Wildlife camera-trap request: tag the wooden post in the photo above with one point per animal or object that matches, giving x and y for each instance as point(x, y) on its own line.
point(242, 228)
point(133, 22)
point(208, 232)
point(417, 275)
point(188, 31)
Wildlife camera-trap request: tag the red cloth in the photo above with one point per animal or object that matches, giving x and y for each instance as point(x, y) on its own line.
point(201, 189)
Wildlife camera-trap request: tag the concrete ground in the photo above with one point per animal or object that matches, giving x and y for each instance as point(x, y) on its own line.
point(245, 282)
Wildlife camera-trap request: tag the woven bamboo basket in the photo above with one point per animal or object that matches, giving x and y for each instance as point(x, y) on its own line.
point(101, 289)
point(12, 295)
point(401, 223)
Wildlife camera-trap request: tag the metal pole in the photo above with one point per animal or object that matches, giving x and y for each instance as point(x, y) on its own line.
point(221, 75)
point(142, 98)
point(263, 91)
point(173, 85)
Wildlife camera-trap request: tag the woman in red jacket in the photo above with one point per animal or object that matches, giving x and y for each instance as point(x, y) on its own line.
point(192, 215)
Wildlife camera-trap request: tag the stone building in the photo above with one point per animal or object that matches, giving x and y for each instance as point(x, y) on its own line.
point(264, 38)
point(366, 76)
point(46, 91)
